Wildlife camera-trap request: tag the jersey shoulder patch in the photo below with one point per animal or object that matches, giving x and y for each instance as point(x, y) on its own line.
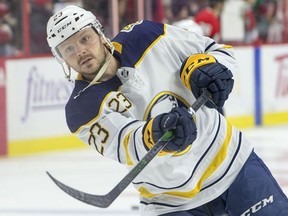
point(130, 27)
point(83, 109)
point(135, 40)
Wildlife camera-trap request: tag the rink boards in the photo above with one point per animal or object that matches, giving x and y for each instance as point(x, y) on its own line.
point(33, 93)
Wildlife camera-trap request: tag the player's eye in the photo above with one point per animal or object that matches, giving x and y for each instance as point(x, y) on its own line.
point(86, 38)
point(69, 49)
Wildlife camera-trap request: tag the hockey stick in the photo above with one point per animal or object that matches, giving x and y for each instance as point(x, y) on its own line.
point(104, 201)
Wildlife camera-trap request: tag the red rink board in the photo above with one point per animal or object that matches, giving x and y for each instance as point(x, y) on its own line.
point(3, 125)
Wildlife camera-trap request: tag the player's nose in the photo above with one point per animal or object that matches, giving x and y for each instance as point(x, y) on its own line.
point(81, 49)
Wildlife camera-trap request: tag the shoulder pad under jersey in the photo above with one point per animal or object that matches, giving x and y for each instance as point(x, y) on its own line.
point(85, 107)
point(136, 39)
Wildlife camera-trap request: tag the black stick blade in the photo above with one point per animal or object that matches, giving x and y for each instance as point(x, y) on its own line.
point(102, 201)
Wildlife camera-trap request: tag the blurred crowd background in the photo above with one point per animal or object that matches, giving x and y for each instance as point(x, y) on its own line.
point(237, 22)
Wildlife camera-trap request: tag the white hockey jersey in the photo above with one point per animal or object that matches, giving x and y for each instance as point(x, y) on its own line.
point(110, 117)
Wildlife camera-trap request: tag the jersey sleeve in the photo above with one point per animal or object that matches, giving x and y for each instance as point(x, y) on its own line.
point(134, 41)
point(80, 110)
point(185, 43)
point(101, 117)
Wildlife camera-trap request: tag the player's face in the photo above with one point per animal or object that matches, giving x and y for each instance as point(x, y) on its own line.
point(84, 52)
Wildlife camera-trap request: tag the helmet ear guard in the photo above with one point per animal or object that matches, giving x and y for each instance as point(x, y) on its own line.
point(57, 55)
point(64, 65)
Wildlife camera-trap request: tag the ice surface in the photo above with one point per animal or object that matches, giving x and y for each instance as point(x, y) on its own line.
point(26, 190)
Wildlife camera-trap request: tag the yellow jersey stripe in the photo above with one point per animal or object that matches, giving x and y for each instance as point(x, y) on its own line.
point(117, 46)
point(126, 145)
point(213, 166)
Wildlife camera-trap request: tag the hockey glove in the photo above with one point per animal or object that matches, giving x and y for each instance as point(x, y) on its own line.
point(202, 71)
point(180, 121)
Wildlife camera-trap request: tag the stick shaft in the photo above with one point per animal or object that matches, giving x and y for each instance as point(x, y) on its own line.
point(104, 201)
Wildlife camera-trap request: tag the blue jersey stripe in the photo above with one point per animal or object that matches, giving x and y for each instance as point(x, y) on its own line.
point(119, 138)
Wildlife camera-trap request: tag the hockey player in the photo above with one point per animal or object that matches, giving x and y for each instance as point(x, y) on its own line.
point(130, 91)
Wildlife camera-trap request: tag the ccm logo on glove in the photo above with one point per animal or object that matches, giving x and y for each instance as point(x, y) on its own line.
point(202, 71)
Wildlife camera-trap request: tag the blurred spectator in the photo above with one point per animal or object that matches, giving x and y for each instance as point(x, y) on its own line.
point(181, 13)
point(41, 11)
point(100, 9)
point(127, 11)
point(250, 24)
point(264, 19)
point(209, 19)
point(275, 23)
point(269, 22)
point(60, 4)
point(4, 9)
point(15, 20)
point(157, 11)
point(168, 16)
point(6, 34)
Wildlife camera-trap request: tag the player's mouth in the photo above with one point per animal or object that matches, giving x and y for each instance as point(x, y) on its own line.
point(86, 61)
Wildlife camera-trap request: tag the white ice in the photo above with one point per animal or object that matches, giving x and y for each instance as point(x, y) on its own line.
point(26, 190)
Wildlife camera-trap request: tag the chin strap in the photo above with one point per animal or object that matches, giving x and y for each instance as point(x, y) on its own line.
point(101, 71)
point(67, 75)
point(97, 77)
point(110, 47)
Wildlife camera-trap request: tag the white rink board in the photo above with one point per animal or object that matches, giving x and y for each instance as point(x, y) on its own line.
point(241, 100)
point(274, 78)
point(36, 95)
point(37, 91)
